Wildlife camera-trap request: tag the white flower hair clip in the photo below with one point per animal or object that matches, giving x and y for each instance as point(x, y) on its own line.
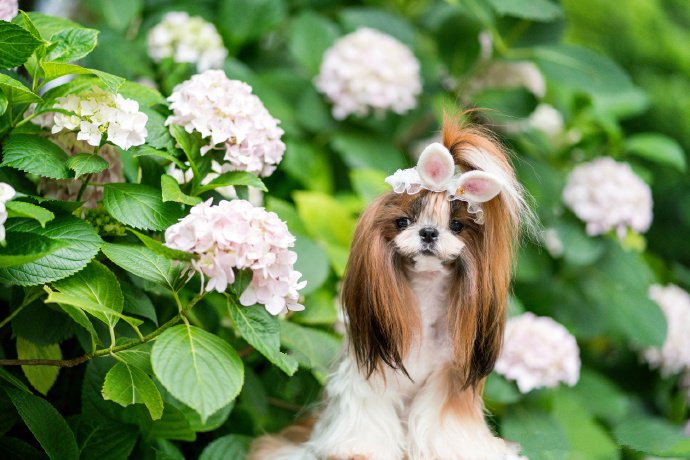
point(436, 171)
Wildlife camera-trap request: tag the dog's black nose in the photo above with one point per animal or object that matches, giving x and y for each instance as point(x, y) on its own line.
point(428, 234)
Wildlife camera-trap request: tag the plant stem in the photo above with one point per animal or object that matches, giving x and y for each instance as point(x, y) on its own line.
point(88, 356)
point(84, 183)
point(27, 301)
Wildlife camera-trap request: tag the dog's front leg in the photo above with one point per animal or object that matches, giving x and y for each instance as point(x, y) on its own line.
point(447, 423)
point(360, 420)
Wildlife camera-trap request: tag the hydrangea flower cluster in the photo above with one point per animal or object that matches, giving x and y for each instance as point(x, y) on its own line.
point(608, 195)
point(68, 189)
point(674, 356)
point(6, 194)
point(368, 69)
point(538, 352)
point(187, 39)
point(511, 74)
point(235, 234)
point(8, 10)
point(98, 112)
point(233, 119)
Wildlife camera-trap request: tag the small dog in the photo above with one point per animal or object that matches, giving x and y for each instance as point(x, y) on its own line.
point(424, 293)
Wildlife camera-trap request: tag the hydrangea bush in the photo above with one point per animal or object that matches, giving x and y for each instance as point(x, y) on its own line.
point(180, 181)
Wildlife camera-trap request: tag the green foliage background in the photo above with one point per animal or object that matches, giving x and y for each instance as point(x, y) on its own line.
point(618, 72)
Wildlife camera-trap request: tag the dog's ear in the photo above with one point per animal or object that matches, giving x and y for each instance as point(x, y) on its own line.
point(376, 297)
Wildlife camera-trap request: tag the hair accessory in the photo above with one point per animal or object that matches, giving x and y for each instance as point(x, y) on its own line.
point(436, 171)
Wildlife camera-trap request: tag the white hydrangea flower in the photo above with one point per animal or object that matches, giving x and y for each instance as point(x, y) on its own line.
point(608, 195)
point(6, 194)
point(236, 234)
point(98, 113)
point(547, 119)
point(553, 242)
point(8, 10)
point(369, 70)
point(68, 189)
point(674, 356)
point(230, 118)
point(187, 39)
point(511, 74)
point(538, 352)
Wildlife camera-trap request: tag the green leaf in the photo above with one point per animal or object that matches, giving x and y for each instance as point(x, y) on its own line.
point(16, 45)
point(369, 183)
point(23, 247)
point(578, 248)
point(581, 69)
point(535, 10)
point(309, 165)
point(313, 349)
point(657, 148)
point(262, 331)
point(171, 192)
point(337, 229)
point(139, 357)
point(198, 368)
point(46, 424)
point(105, 439)
point(228, 446)
point(601, 397)
point(309, 36)
point(159, 248)
point(360, 150)
point(13, 380)
point(23, 209)
point(147, 150)
point(498, 389)
point(35, 155)
point(258, 17)
point(141, 261)
point(652, 436)
point(144, 95)
point(506, 105)
point(50, 25)
point(126, 385)
point(94, 289)
point(40, 377)
point(540, 435)
point(16, 91)
point(25, 22)
point(312, 263)
point(86, 163)
point(354, 18)
point(79, 317)
point(78, 242)
point(233, 178)
point(137, 302)
point(70, 45)
point(139, 206)
point(319, 309)
point(54, 70)
point(3, 103)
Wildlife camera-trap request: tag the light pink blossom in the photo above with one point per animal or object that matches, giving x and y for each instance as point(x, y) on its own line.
point(674, 355)
point(8, 9)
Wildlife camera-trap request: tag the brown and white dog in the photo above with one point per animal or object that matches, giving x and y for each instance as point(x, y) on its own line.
point(424, 293)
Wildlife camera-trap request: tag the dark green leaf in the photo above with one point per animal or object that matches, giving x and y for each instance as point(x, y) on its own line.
point(86, 163)
point(258, 17)
point(652, 436)
point(35, 155)
point(159, 248)
point(233, 178)
point(125, 385)
point(310, 35)
point(360, 150)
point(539, 434)
point(108, 440)
point(397, 26)
point(23, 209)
point(15, 91)
point(171, 192)
point(46, 424)
point(228, 446)
point(16, 45)
point(535, 10)
point(198, 368)
point(657, 148)
point(312, 348)
point(141, 261)
point(79, 244)
point(139, 206)
point(23, 247)
point(262, 331)
point(146, 150)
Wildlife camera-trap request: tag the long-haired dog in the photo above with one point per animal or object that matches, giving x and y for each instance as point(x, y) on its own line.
point(424, 293)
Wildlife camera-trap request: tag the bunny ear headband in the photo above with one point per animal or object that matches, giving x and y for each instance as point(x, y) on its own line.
point(436, 171)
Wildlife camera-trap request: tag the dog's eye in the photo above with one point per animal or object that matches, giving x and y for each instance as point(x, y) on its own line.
point(456, 226)
point(402, 223)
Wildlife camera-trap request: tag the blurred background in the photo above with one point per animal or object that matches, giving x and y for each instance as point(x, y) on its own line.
point(564, 84)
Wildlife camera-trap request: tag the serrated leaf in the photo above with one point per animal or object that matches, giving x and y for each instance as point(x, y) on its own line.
point(54, 70)
point(72, 44)
point(313, 349)
point(198, 368)
point(94, 289)
point(41, 378)
point(79, 244)
point(140, 206)
point(159, 248)
point(28, 24)
point(50, 25)
point(23, 209)
point(46, 424)
point(35, 155)
point(16, 45)
point(126, 385)
point(16, 91)
point(233, 178)
point(262, 331)
point(141, 261)
point(657, 148)
point(23, 247)
point(86, 163)
point(79, 317)
point(171, 192)
point(535, 10)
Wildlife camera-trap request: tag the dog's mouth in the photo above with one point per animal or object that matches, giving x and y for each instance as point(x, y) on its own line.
point(428, 250)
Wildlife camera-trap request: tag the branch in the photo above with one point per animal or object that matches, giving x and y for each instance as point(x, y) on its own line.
point(88, 356)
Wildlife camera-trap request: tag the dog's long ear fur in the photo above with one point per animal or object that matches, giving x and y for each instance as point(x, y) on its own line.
point(479, 294)
point(376, 296)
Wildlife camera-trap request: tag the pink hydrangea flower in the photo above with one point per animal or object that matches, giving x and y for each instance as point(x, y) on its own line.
point(237, 235)
point(538, 352)
point(674, 355)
